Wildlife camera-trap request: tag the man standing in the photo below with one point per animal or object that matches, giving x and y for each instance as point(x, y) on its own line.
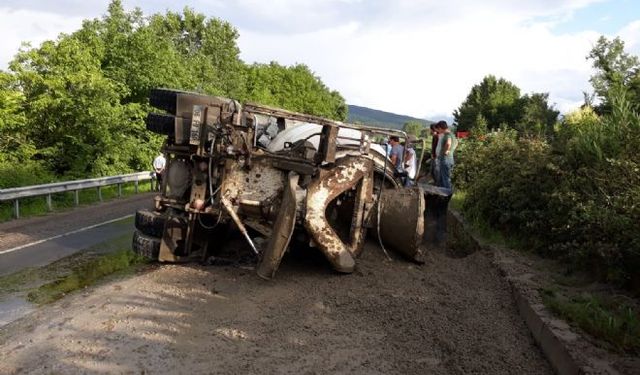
point(397, 153)
point(158, 166)
point(434, 145)
point(446, 148)
point(410, 161)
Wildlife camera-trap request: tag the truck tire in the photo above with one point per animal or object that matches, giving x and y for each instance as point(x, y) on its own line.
point(150, 223)
point(164, 99)
point(146, 246)
point(161, 124)
point(167, 99)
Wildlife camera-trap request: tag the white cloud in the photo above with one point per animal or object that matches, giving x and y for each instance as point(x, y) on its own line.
point(18, 25)
point(417, 57)
point(631, 35)
point(426, 69)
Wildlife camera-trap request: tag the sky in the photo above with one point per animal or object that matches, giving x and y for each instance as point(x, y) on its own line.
point(413, 57)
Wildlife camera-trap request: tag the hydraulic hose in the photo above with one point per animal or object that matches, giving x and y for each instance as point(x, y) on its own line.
point(384, 175)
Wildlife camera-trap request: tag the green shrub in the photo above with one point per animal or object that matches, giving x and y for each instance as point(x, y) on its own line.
point(14, 174)
point(577, 199)
point(498, 177)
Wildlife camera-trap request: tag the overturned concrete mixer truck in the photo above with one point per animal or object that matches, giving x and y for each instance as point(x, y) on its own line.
point(271, 173)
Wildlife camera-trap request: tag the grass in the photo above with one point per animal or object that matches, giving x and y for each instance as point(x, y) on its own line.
point(606, 318)
point(82, 276)
point(15, 282)
point(77, 271)
point(38, 205)
point(457, 199)
point(484, 230)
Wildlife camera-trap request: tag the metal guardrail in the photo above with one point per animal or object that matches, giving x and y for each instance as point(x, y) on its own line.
point(60, 187)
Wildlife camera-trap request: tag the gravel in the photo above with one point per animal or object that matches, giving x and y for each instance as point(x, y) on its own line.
point(449, 316)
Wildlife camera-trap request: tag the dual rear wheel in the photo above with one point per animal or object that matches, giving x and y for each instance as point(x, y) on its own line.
point(148, 234)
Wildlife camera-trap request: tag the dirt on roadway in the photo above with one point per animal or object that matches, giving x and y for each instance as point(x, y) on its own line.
point(449, 316)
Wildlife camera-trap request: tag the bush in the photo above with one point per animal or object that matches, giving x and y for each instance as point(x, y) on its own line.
point(577, 199)
point(15, 174)
point(498, 177)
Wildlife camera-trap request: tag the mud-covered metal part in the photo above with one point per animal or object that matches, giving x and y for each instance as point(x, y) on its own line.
point(178, 178)
point(402, 221)
point(345, 175)
point(173, 238)
point(282, 231)
point(236, 219)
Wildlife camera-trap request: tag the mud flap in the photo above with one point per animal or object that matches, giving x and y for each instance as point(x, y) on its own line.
point(402, 221)
point(174, 235)
point(282, 231)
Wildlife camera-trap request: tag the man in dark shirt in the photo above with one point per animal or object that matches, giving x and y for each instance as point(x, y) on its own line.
point(397, 153)
point(434, 146)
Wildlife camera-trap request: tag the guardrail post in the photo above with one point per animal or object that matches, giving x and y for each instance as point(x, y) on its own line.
point(99, 194)
point(76, 197)
point(136, 186)
point(119, 190)
point(16, 209)
point(49, 206)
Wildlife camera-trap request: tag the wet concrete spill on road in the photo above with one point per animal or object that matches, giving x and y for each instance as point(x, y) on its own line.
point(450, 316)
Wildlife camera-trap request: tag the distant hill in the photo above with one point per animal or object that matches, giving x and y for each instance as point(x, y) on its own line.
point(383, 119)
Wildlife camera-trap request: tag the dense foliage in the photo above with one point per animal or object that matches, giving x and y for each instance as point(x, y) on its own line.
point(614, 67)
point(294, 88)
point(573, 193)
point(497, 102)
point(414, 128)
point(75, 107)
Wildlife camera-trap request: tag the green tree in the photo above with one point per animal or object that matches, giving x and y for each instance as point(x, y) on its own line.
point(614, 67)
point(204, 53)
point(78, 103)
point(480, 128)
point(537, 116)
point(14, 145)
point(76, 119)
point(495, 99)
point(413, 128)
point(295, 88)
point(496, 103)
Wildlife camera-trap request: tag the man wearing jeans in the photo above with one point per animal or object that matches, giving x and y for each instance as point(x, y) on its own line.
point(446, 148)
point(444, 157)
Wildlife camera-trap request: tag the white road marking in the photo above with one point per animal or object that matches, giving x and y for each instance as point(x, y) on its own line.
point(64, 234)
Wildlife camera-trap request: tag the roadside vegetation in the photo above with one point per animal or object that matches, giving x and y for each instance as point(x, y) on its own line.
point(52, 282)
point(566, 189)
point(612, 319)
point(74, 107)
point(571, 189)
point(87, 274)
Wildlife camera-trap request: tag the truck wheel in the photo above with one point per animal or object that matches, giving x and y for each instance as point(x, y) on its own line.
point(164, 99)
point(146, 246)
point(167, 99)
point(150, 223)
point(161, 124)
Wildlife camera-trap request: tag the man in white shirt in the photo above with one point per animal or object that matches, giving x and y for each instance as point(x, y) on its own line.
point(410, 161)
point(158, 167)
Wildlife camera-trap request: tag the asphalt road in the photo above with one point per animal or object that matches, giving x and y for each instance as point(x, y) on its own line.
point(36, 242)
